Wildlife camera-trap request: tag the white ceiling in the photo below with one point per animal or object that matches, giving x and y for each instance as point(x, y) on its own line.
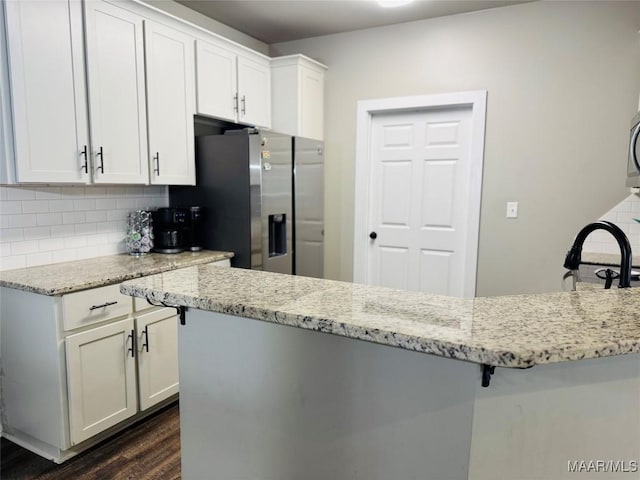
point(273, 21)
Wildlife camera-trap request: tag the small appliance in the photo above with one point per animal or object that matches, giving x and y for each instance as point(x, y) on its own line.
point(633, 167)
point(193, 230)
point(169, 229)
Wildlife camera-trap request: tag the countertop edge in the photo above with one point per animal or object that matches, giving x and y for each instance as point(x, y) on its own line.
point(459, 351)
point(217, 256)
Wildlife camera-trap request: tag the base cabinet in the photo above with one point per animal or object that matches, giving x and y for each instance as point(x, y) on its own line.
point(101, 378)
point(79, 367)
point(157, 353)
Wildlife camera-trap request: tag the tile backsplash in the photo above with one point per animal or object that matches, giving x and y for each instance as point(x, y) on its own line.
point(40, 225)
point(623, 216)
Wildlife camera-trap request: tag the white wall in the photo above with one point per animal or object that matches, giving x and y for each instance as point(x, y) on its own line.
point(563, 80)
point(40, 225)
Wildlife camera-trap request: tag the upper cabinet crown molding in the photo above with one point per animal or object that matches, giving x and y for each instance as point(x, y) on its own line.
point(297, 93)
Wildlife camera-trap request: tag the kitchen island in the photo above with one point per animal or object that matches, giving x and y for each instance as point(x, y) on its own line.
point(263, 400)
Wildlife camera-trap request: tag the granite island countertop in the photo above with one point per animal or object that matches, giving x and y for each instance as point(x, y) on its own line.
point(509, 331)
point(67, 277)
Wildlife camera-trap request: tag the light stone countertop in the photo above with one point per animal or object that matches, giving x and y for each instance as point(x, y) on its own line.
point(510, 331)
point(67, 277)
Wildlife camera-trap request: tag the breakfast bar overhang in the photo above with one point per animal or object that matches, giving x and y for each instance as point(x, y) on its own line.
point(286, 377)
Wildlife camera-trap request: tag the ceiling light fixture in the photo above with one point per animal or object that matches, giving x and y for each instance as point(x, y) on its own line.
point(393, 3)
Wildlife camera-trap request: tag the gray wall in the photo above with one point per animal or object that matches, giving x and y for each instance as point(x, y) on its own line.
point(563, 80)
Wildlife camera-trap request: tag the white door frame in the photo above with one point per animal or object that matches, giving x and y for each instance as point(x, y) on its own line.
point(477, 100)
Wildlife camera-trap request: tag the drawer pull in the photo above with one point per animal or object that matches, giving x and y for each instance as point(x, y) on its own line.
point(145, 343)
point(107, 304)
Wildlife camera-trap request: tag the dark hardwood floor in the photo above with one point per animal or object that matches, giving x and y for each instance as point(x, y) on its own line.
point(147, 450)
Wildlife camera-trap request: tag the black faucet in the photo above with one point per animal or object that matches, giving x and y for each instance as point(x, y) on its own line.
point(573, 259)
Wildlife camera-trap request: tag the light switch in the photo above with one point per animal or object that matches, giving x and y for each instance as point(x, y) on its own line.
point(512, 209)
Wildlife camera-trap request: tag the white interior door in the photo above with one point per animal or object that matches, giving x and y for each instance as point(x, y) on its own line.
point(422, 206)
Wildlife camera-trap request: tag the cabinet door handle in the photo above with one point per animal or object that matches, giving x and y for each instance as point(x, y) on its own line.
point(85, 165)
point(132, 348)
point(145, 343)
point(106, 304)
point(101, 166)
point(235, 103)
point(157, 159)
point(244, 105)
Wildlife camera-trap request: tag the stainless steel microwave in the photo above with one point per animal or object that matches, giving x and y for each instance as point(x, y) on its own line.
point(633, 167)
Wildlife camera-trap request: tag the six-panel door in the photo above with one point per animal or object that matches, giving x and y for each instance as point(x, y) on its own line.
point(101, 378)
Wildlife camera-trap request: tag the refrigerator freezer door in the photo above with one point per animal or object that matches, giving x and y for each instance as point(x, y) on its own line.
point(277, 227)
point(309, 207)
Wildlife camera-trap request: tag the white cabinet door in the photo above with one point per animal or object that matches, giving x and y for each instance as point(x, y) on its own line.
point(157, 356)
point(311, 103)
point(115, 63)
point(171, 103)
point(101, 378)
point(254, 92)
point(46, 59)
point(216, 82)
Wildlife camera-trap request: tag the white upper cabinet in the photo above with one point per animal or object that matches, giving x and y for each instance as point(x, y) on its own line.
point(297, 93)
point(254, 91)
point(115, 62)
point(7, 161)
point(46, 64)
point(217, 81)
point(233, 85)
point(171, 104)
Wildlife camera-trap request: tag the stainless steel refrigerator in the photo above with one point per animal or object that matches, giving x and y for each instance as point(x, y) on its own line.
point(245, 184)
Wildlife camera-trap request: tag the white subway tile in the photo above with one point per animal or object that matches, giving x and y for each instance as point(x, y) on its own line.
point(116, 190)
point(51, 244)
point(75, 242)
point(97, 239)
point(97, 216)
point(88, 252)
point(48, 193)
point(126, 203)
point(116, 236)
point(5, 250)
point(63, 230)
point(21, 193)
point(10, 207)
point(3, 192)
point(84, 204)
point(24, 247)
point(73, 217)
point(109, 249)
point(61, 205)
point(13, 262)
point(11, 234)
point(106, 204)
point(35, 206)
point(86, 228)
point(135, 190)
point(155, 191)
point(116, 215)
point(36, 233)
point(73, 191)
point(23, 220)
point(95, 191)
point(66, 255)
point(42, 258)
point(49, 219)
point(4, 221)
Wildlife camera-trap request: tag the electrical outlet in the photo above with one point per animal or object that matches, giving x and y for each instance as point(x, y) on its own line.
point(512, 209)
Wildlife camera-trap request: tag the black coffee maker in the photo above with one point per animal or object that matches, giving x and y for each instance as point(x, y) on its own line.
point(168, 227)
point(177, 229)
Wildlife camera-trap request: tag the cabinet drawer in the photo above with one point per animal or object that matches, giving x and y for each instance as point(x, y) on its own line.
point(95, 305)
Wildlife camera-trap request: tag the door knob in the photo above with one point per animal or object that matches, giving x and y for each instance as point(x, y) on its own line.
point(373, 235)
